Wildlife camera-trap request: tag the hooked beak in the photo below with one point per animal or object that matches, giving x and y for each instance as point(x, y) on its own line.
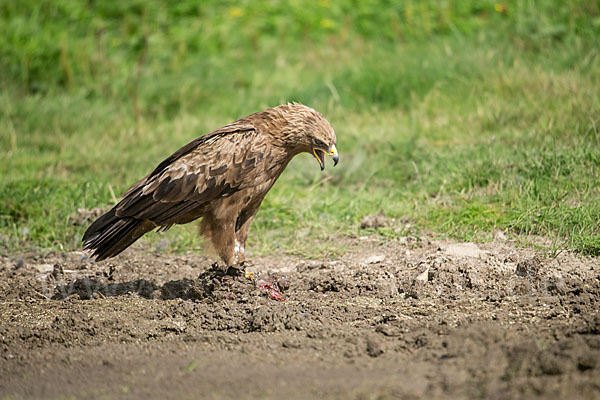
point(320, 156)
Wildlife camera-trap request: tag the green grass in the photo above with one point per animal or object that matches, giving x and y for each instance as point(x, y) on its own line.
point(463, 118)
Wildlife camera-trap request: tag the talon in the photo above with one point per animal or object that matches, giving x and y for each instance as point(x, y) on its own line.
point(236, 269)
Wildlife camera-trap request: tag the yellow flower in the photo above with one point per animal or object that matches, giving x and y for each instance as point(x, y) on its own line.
point(499, 7)
point(236, 12)
point(327, 23)
point(324, 3)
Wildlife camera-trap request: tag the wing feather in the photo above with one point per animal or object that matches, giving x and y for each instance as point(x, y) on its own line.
point(210, 167)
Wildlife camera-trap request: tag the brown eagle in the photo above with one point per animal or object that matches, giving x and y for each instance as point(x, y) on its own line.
point(221, 177)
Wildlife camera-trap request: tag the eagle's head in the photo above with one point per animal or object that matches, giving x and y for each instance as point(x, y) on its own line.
point(310, 132)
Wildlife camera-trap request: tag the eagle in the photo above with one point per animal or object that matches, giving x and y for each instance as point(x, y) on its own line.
point(221, 177)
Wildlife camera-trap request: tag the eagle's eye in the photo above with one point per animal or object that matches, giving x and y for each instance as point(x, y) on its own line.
point(320, 144)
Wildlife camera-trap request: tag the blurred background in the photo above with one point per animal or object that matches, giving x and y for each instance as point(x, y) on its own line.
point(454, 118)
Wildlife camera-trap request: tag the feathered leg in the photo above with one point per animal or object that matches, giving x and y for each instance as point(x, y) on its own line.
point(240, 241)
point(222, 237)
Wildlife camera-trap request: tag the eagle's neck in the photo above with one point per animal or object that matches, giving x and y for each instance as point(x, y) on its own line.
point(284, 130)
point(281, 154)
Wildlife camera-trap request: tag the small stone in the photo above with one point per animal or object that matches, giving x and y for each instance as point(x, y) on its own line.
point(162, 245)
point(423, 276)
point(291, 344)
point(283, 282)
point(44, 268)
point(388, 330)
point(57, 271)
point(500, 236)
point(474, 279)
point(386, 287)
point(464, 250)
point(374, 347)
point(374, 259)
point(19, 262)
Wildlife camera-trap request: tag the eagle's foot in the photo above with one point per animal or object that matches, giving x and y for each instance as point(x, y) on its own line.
point(237, 269)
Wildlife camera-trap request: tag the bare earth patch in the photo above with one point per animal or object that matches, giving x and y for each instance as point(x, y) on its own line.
point(398, 319)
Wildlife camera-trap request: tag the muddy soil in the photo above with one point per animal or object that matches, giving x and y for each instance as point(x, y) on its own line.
point(411, 318)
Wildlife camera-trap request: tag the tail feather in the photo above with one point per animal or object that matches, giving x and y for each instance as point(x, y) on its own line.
point(109, 235)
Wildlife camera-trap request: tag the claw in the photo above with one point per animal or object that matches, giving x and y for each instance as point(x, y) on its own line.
point(236, 269)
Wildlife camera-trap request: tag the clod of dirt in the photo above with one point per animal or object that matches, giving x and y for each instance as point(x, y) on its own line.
point(375, 221)
point(264, 319)
point(333, 282)
point(412, 291)
point(529, 267)
point(594, 325)
point(187, 289)
point(587, 361)
point(557, 286)
point(550, 364)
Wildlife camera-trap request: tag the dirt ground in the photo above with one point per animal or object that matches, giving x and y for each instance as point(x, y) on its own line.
point(409, 318)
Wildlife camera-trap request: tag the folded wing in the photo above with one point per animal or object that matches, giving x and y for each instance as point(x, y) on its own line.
point(211, 167)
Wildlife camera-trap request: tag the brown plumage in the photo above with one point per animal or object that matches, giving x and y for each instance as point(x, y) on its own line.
point(221, 177)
